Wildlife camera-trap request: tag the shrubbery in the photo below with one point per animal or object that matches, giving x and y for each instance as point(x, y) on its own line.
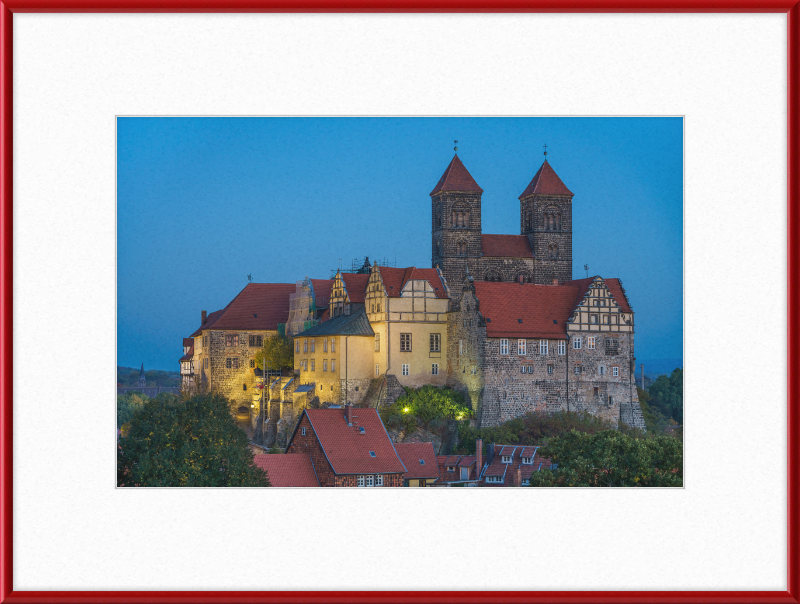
point(428, 406)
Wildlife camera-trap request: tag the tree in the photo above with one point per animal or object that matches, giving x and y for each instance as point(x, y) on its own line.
point(666, 394)
point(186, 441)
point(127, 404)
point(611, 459)
point(277, 349)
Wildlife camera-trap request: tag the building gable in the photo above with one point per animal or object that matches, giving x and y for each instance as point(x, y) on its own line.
point(598, 308)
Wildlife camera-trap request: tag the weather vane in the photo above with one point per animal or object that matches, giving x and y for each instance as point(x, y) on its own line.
point(545, 153)
point(250, 277)
point(586, 268)
point(456, 147)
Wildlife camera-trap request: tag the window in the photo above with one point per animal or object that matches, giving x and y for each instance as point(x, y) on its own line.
point(232, 340)
point(451, 468)
point(305, 345)
point(615, 371)
point(562, 347)
point(205, 341)
point(256, 341)
point(232, 363)
point(596, 391)
point(435, 369)
point(333, 366)
point(506, 459)
point(436, 342)
point(422, 462)
point(504, 346)
point(303, 431)
point(527, 460)
point(297, 345)
point(313, 364)
point(577, 343)
point(461, 347)
point(379, 480)
point(577, 369)
point(370, 480)
point(405, 369)
point(593, 319)
point(473, 370)
point(252, 363)
point(372, 454)
point(612, 346)
point(601, 370)
point(494, 479)
point(377, 342)
point(333, 344)
point(610, 401)
point(405, 342)
point(325, 365)
point(360, 481)
point(550, 370)
point(362, 430)
point(542, 346)
point(312, 345)
point(377, 369)
point(521, 348)
point(590, 342)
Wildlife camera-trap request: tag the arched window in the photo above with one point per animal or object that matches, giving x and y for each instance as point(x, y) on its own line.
point(552, 251)
point(493, 276)
point(462, 248)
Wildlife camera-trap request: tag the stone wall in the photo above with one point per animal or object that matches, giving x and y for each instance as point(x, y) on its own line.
point(507, 269)
point(237, 385)
point(446, 238)
point(466, 331)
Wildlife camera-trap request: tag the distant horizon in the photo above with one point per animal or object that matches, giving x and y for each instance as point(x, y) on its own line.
point(204, 202)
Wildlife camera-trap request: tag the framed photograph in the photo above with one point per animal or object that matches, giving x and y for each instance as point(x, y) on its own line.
point(337, 247)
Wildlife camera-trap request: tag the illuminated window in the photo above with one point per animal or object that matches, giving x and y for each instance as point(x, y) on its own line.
point(521, 347)
point(503, 346)
point(590, 342)
point(232, 340)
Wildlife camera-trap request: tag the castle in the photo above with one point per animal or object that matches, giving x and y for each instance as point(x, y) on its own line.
point(497, 317)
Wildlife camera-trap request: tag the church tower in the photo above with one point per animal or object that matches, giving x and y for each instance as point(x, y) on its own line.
point(456, 223)
point(142, 380)
point(545, 213)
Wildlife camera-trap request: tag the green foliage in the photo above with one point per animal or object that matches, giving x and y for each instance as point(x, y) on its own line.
point(186, 441)
point(278, 352)
point(611, 459)
point(666, 395)
point(127, 404)
point(530, 429)
point(428, 406)
point(128, 376)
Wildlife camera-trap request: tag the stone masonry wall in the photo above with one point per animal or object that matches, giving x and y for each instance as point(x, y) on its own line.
point(466, 334)
point(508, 269)
point(235, 384)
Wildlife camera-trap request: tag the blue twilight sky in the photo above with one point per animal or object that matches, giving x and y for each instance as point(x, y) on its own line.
point(202, 202)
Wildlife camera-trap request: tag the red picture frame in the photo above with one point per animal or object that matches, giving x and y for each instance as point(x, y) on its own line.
point(9, 7)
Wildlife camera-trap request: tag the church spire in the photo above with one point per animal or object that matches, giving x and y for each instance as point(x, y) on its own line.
point(456, 178)
point(142, 380)
point(546, 182)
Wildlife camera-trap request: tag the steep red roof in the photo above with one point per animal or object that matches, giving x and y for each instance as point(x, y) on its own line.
point(614, 287)
point(288, 470)
point(188, 356)
point(457, 461)
point(259, 306)
point(347, 449)
point(210, 320)
point(546, 182)
point(356, 285)
point(394, 279)
point(456, 178)
point(412, 454)
point(322, 292)
point(509, 470)
point(509, 246)
point(188, 342)
point(542, 309)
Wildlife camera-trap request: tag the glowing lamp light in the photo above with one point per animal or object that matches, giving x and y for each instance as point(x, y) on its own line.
point(405, 410)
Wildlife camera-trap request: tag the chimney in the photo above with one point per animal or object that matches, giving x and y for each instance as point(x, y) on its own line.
point(555, 281)
point(203, 317)
point(518, 477)
point(348, 414)
point(479, 453)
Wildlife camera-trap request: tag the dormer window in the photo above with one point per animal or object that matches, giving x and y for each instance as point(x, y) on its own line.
point(506, 459)
point(362, 430)
point(372, 453)
point(422, 462)
point(451, 468)
point(527, 460)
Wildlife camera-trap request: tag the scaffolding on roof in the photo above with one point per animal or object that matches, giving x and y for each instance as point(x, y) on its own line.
point(362, 267)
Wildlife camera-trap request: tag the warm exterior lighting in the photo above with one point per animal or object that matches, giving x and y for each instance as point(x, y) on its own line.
point(405, 410)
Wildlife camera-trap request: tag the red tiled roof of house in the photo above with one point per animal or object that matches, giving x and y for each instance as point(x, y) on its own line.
point(210, 320)
point(507, 450)
point(467, 460)
point(526, 310)
point(288, 470)
point(455, 461)
point(325, 315)
point(412, 453)
point(527, 451)
point(322, 291)
point(546, 182)
point(506, 246)
point(188, 356)
point(188, 342)
point(356, 286)
point(347, 449)
point(509, 470)
point(394, 279)
point(614, 287)
point(456, 178)
point(259, 306)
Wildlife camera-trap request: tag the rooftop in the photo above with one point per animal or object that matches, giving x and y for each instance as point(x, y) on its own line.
point(546, 182)
point(456, 178)
point(288, 470)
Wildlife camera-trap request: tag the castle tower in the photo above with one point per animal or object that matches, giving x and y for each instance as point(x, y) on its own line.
point(545, 212)
point(456, 223)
